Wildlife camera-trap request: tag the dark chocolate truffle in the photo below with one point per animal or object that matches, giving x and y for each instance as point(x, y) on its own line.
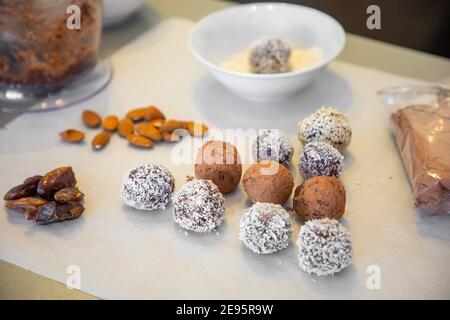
point(270, 56)
point(198, 206)
point(326, 124)
point(219, 162)
point(269, 182)
point(320, 159)
point(320, 197)
point(265, 228)
point(325, 247)
point(272, 145)
point(148, 187)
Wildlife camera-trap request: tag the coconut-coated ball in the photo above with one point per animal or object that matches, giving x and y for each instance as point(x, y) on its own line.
point(198, 206)
point(269, 182)
point(325, 247)
point(270, 56)
point(326, 124)
point(265, 228)
point(320, 159)
point(148, 187)
point(320, 197)
point(272, 145)
point(219, 162)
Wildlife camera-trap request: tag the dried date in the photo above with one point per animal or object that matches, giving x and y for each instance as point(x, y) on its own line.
point(25, 205)
point(56, 212)
point(56, 180)
point(69, 194)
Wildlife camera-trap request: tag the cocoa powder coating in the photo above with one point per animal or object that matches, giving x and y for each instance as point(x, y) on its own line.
point(320, 197)
point(269, 182)
point(219, 162)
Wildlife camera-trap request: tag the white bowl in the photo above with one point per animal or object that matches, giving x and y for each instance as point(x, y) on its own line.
point(217, 37)
point(116, 11)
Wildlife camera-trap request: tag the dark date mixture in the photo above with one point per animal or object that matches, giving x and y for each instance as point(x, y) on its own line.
point(37, 48)
point(53, 197)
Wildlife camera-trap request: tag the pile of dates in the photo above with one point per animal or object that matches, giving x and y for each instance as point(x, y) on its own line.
point(53, 197)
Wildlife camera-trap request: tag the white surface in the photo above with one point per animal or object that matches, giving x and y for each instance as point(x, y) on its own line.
point(219, 36)
point(115, 11)
point(124, 253)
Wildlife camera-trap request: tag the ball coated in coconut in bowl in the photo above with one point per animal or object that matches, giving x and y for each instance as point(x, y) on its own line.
point(270, 56)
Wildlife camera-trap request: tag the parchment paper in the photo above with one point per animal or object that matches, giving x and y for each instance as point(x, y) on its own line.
point(124, 253)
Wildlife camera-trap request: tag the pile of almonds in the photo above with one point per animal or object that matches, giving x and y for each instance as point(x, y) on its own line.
point(53, 197)
point(142, 127)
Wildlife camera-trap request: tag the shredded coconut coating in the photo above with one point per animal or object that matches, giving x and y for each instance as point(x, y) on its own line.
point(325, 247)
point(320, 159)
point(270, 56)
point(198, 206)
point(326, 124)
point(148, 187)
point(265, 228)
point(272, 145)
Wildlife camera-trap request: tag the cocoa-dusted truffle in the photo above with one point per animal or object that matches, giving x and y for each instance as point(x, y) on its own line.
point(320, 159)
point(326, 124)
point(198, 206)
point(268, 181)
point(272, 145)
point(320, 197)
point(148, 187)
point(265, 228)
point(270, 56)
point(219, 162)
point(325, 247)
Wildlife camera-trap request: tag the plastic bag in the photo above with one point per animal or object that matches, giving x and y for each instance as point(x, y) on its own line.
point(420, 122)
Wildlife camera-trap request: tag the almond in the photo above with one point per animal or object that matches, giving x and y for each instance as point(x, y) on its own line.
point(72, 135)
point(91, 119)
point(148, 131)
point(101, 140)
point(125, 127)
point(140, 141)
point(153, 113)
point(171, 125)
point(110, 123)
point(157, 123)
point(196, 129)
point(137, 114)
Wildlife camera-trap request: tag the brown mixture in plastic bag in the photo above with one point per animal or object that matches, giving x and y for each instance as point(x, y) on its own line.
point(423, 137)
